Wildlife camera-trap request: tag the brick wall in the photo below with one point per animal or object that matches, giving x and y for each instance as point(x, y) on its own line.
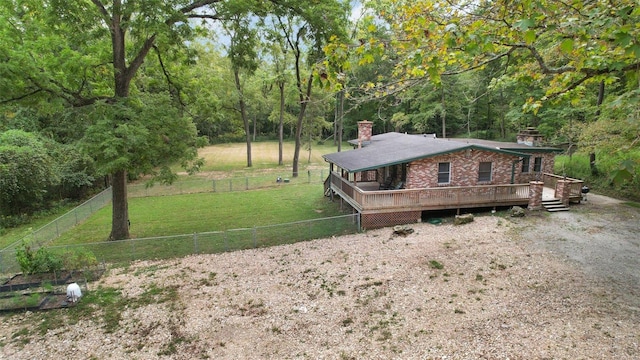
point(365, 131)
point(465, 167)
point(548, 160)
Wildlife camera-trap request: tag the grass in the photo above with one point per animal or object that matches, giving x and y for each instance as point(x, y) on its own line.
point(578, 166)
point(11, 235)
point(209, 214)
point(206, 212)
point(233, 157)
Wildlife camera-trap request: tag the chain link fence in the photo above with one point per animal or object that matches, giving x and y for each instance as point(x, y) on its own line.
point(57, 227)
point(166, 247)
point(226, 185)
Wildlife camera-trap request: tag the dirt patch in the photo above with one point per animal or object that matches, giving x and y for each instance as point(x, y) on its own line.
point(547, 286)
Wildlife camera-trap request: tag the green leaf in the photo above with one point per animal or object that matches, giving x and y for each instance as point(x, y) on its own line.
point(621, 176)
point(623, 38)
point(567, 46)
point(633, 50)
point(530, 36)
point(524, 24)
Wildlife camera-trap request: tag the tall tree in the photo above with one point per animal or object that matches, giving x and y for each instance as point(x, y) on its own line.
point(62, 53)
point(276, 49)
point(562, 48)
point(242, 51)
point(306, 31)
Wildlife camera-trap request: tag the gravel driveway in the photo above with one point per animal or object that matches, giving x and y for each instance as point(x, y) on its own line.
point(601, 236)
point(546, 286)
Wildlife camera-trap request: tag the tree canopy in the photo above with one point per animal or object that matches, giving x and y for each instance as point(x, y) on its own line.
point(555, 59)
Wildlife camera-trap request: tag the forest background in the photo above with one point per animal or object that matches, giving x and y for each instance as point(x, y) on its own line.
point(96, 93)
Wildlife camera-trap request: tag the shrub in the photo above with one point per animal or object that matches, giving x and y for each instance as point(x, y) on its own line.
point(40, 261)
point(79, 259)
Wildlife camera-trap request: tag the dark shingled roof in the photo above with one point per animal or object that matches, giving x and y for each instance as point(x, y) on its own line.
point(396, 148)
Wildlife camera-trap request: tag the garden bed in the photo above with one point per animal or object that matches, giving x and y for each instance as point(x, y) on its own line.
point(43, 291)
point(22, 281)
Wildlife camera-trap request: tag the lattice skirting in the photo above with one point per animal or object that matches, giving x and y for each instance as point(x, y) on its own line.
point(373, 221)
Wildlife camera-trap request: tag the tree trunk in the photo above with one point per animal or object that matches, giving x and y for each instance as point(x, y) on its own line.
point(281, 124)
point(310, 140)
point(243, 113)
point(592, 156)
point(340, 118)
point(122, 78)
point(444, 115)
point(120, 214)
point(304, 99)
point(503, 126)
point(255, 127)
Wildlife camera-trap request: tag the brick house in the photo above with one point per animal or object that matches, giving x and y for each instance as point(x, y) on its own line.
point(393, 178)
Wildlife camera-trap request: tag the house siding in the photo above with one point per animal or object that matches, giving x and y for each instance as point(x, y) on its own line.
point(464, 169)
point(548, 162)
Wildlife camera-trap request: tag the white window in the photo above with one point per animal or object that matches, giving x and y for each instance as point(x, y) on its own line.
point(525, 165)
point(484, 172)
point(537, 164)
point(444, 173)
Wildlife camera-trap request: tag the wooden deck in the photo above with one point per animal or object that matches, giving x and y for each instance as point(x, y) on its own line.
point(366, 198)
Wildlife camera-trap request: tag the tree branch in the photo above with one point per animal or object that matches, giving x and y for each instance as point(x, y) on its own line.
point(588, 74)
point(197, 4)
point(541, 63)
point(139, 59)
point(167, 76)
point(480, 64)
point(102, 10)
point(204, 16)
point(18, 98)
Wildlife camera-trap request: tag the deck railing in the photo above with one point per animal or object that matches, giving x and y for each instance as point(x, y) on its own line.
point(551, 181)
point(430, 198)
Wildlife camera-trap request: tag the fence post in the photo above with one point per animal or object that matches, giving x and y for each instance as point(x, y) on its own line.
point(358, 221)
point(225, 241)
point(214, 186)
point(230, 185)
point(195, 243)
point(246, 181)
point(133, 250)
point(75, 212)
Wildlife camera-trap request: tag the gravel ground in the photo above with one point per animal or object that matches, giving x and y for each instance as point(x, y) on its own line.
point(547, 286)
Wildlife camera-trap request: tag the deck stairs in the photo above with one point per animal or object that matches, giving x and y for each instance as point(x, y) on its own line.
point(554, 205)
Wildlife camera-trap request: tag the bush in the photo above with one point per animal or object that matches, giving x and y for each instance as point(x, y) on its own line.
point(40, 261)
point(79, 259)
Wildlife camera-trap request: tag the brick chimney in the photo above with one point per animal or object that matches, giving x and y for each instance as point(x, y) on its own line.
point(530, 137)
point(365, 130)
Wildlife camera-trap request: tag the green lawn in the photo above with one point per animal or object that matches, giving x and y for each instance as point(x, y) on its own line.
point(10, 236)
point(233, 157)
point(224, 204)
point(205, 212)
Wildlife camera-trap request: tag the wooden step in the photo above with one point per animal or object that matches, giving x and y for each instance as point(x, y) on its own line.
point(554, 205)
point(558, 209)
